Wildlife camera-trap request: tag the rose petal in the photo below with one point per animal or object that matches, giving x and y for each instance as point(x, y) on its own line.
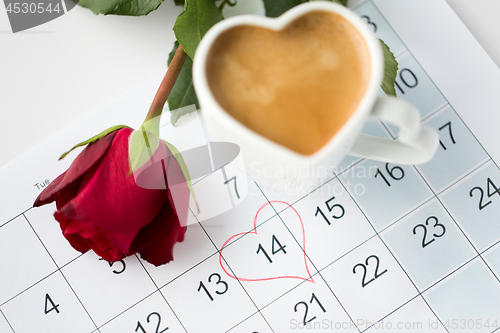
point(178, 191)
point(84, 236)
point(83, 162)
point(160, 236)
point(111, 200)
point(68, 193)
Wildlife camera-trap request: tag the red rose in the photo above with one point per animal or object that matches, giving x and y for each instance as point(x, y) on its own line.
point(100, 206)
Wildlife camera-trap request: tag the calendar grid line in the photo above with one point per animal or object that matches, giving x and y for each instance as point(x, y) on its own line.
point(161, 293)
point(28, 288)
point(243, 234)
point(458, 179)
point(410, 52)
point(374, 236)
point(434, 312)
point(327, 285)
point(246, 292)
point(456, 222)
point(338, 300)
point(7, 321)
point(472, 172)
point(250, 316)
point(359, 4)
point(377, 234)
point(444, 277)
point(132, 306)
point(80, 301)
point(15, 217)
point(488, 249)
point(464, 176)
point(470, 241)
point(300, 246)
point(318, 271)
point(234, 274)
point(472, 133)
point(299, 199)
point(436, 86)
point(402, 53)
point(37, 236)
point(398, 218)
point(60, 271)
point(122, 312)
point(400, 265)
point(451, 272)
point(391, 312)
point(406, 214)
point(288, 229)
point(350, 166)
point(195, 265)
point(187, 270)
point(449, 214)
point(420, 292)
point(384, 125)
point(436, 195)
point(348, 252)
point(436, 111)
point(424, 119)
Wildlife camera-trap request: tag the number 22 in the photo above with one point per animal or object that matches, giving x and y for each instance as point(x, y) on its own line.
point(376, 274)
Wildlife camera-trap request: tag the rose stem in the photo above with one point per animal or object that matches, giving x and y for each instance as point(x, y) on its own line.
point(167, 84)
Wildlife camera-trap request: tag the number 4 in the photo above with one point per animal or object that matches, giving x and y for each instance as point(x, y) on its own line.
point(53, 305)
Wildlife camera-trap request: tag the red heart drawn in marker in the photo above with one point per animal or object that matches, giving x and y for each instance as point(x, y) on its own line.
point(307, 276)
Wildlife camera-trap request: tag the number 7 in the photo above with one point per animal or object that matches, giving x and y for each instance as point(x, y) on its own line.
point(235, 187)
point(448, 124)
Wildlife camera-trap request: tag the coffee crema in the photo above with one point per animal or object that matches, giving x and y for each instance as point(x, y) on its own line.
point(297, 86)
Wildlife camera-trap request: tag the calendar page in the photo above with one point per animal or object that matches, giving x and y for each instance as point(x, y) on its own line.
point(377, 247)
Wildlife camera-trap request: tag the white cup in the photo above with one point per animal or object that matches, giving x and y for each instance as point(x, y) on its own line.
point(276, 165)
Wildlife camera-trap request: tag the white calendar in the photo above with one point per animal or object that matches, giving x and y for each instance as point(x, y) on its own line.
point(377, 247)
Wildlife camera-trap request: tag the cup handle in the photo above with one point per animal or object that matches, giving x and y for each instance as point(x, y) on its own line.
point(416, 143)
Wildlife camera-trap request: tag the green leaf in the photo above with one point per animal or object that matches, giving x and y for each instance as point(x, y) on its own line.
point(121, 7)
point(177, 155)
point(191, 25)
point(143, 143)
point(391, 70)
point(275, 8)
point(177, 113)
point(342, 2)
point(93, 139)
point(179, 2)
point(182, 94)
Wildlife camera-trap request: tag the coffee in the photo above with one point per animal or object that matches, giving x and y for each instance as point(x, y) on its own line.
point(297, 86)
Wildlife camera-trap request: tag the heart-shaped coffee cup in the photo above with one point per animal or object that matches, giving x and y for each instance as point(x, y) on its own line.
point(261, 80)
